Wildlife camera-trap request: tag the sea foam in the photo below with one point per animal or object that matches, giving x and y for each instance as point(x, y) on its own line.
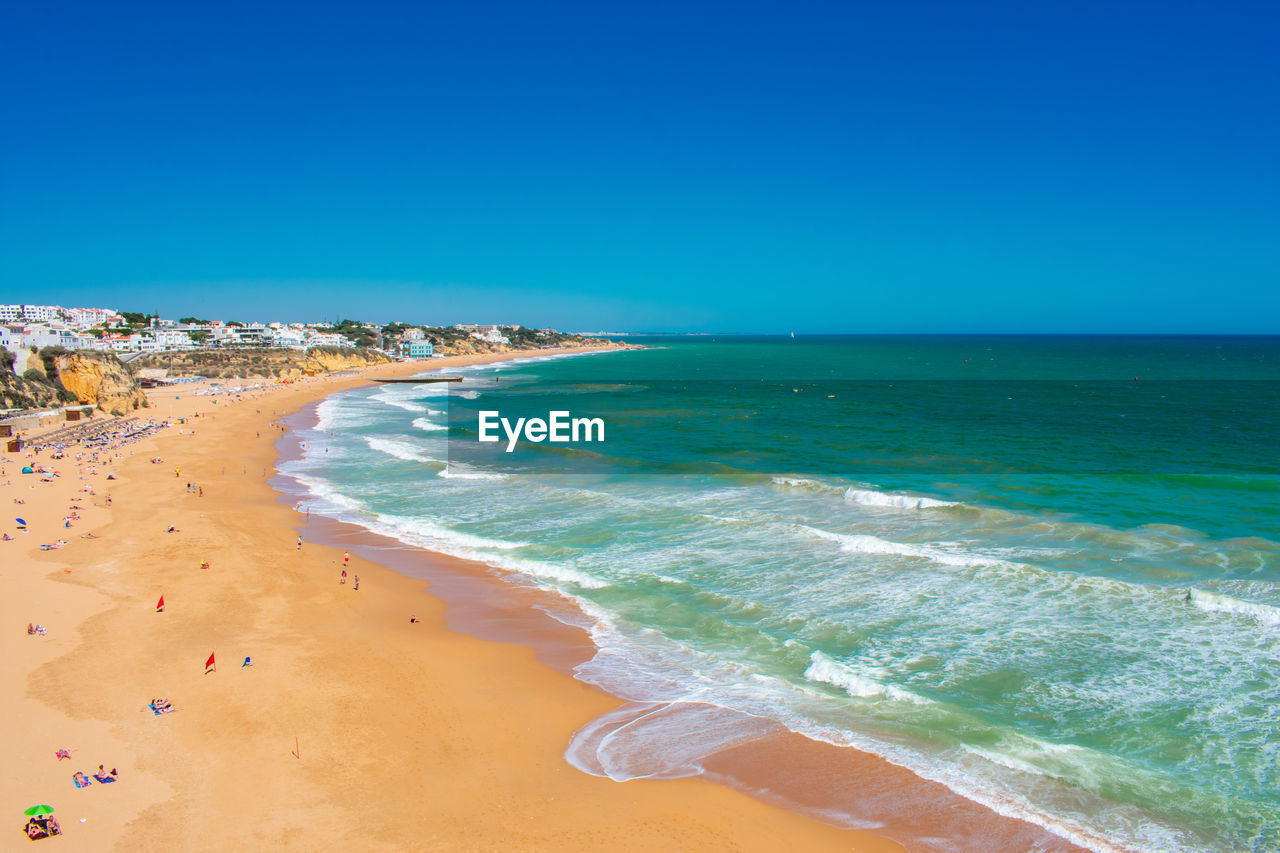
point(1212, 602)
point(864, 496)
point(857, 684)
point(868, 497)
point(399, 449)
point(429, 426)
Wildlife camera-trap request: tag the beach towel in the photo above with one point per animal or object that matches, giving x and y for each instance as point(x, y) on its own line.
point(104, 779)
point(82, 781)
point(42, 827)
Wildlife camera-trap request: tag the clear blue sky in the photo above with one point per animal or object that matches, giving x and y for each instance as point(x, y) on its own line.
point(848, 167)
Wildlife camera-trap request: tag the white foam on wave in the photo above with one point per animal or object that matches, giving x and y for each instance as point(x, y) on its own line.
point(423, 533)
point(686, 733)
point(421, 528)
point(323, 491)
point(429, 426)
point(639, 666)
point(1215, 603)
point(403, 404)
point(861, 543)
point(466, 472)
point(864, 496)
point(336, 412)
point(854, 682)
point(959, 557)
point(428, 534)
point(399, 449)
point(869, 497)
point(800, 483)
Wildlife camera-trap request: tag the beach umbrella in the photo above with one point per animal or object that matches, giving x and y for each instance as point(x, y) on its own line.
point(27, 469)
point(22, 522)
point(38, 810)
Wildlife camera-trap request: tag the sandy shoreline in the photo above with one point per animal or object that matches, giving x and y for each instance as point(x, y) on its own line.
point(409, 736)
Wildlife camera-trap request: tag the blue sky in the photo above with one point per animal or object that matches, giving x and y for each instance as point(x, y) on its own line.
point(755, 167)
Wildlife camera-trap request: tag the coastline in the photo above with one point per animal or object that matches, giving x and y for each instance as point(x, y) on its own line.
point(838, 786)
point(408, 736)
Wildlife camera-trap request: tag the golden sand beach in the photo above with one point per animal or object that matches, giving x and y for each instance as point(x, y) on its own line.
point(353, 729)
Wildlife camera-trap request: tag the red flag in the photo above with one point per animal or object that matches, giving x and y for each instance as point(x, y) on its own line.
point(210, 663)
point(160, 604)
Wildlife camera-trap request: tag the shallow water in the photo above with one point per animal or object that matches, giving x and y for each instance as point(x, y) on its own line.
point(1002, 563)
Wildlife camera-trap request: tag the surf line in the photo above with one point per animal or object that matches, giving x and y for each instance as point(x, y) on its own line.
point(559, 427)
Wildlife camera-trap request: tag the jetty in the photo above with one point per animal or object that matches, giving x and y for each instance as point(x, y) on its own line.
point(418, 380)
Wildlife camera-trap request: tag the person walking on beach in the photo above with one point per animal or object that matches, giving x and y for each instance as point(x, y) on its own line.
point(357, 585)
point(299, 542)
point(343, 578)
point(346, 558)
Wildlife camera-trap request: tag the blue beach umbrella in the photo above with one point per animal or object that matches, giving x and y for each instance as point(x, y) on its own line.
point(22, 522)
point(27, 469)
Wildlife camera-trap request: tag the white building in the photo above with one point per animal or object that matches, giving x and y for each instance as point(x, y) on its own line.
point(251, 335)
point(492, 334)
point(170, 339)
point(30, 313)
point(17, 337)
point(289, 338)
point(325, 339)
point(85, 318)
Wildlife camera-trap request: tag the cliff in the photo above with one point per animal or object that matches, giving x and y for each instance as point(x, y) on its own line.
point(471, 346)
point(258, 364)
point(55, 377)
point(100, 379)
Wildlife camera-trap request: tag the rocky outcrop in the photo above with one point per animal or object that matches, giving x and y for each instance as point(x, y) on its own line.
point(474, 346)
point(56, 377)
point(257, 364)
point(99, 379)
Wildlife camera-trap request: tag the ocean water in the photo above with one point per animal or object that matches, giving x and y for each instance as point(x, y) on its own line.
point(1043, 571)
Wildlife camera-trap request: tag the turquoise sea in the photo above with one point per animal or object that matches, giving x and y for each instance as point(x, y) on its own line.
point(1043, 571)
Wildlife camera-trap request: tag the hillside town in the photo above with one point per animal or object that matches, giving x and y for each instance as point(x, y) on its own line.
point(52, 357)
point(35, 327)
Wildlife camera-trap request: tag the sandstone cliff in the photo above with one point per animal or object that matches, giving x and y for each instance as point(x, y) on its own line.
point(472, 346)
point(101, 380)
point(54, 377)
point(257, 364)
